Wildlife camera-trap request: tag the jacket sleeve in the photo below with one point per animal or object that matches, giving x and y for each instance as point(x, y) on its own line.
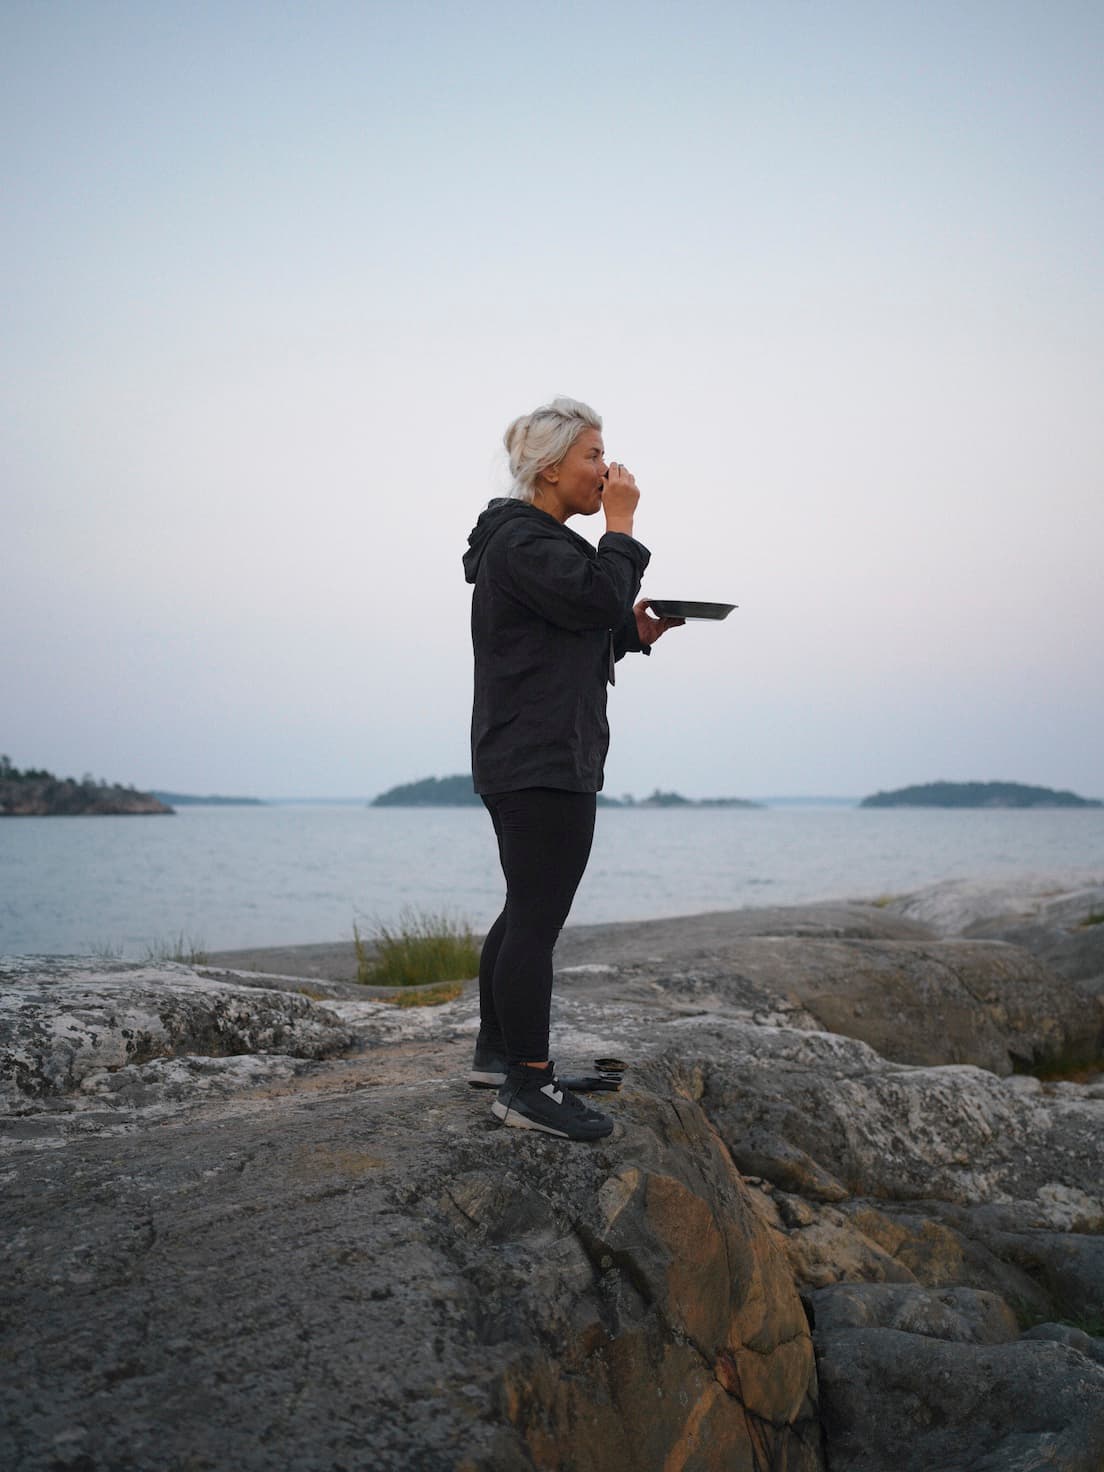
point(567, 587)
point(626, 638)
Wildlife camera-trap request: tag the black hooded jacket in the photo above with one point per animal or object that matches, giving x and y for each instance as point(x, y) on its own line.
point(549, 615)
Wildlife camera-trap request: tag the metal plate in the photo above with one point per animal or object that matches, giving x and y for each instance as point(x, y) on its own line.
point(682, 608)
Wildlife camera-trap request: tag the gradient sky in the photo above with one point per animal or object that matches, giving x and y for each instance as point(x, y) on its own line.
point(274, 278)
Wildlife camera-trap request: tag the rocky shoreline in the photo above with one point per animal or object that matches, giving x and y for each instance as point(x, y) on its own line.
point(852, 1215)
point(64, 797)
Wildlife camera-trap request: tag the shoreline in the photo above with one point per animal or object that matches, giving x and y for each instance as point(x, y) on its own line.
point(614, 941)
point(948, 908)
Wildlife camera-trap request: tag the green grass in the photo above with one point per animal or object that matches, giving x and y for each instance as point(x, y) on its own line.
point(1096, 918)
point(421, 948)
point(1074, 1065)
point(1028, 1317)
point(430, 996)
point(183, 948)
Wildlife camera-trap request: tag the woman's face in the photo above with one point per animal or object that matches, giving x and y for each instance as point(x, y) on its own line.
point(574, 486)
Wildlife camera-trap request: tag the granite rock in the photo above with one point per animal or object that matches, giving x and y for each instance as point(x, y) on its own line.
point(852, 969)
point(281, 1231)
point(915, 1403)
point(962, 1315)
point(385, 1278)
point(961, 906)
point(64, 1019)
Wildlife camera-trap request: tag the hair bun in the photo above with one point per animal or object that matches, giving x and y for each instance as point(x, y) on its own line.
point(514, 440)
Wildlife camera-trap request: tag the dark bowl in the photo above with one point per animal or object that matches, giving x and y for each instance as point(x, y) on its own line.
point(684, 608)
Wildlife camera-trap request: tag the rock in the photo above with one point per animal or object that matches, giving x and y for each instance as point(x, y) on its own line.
point(710, 937)
point(385, 1278)
point(914, 1002)
point(959, 906)
point(825, 1246)
point(1086, 1344)
point(997, 1248)
point(1075, 953)
point(400, 1280)
point(890, 1132)
point(953, 1178)
point(914, 1403)
point(188, 1079)
point(853, 970)
point(788, 1166)
point(963, 1315)
point(1050, 920)
point(63, 1019)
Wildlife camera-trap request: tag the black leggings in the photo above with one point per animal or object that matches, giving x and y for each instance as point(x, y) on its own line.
point(544, 839)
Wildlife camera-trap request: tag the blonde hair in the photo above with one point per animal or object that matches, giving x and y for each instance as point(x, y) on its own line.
point(536, 441)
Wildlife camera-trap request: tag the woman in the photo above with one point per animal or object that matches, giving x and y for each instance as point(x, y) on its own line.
point(550, 616)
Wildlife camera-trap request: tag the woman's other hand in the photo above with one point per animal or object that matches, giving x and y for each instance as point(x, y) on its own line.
point(619, 498)
point(648, 627)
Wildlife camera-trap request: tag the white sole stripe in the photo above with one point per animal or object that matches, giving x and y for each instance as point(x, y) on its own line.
point(519, 1121)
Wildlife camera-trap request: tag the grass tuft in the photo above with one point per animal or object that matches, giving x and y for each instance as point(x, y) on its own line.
point(104, 951)
point(1095, 918)
point(1028, 1316)
point(183, 948)
point(430, 996)
point(1074, 1065)
point(421, 948)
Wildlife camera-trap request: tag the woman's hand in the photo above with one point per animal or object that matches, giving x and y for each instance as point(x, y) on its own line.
point(619, 498)
point(648, 627)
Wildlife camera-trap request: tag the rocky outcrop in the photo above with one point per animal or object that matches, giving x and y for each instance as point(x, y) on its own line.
point(64, 1024)
point(47, 796)
point(867, 972)
point(914, 1403)
point(375, 1274)
point(917, 1379)
point(1060, 924)
point(401, 1283)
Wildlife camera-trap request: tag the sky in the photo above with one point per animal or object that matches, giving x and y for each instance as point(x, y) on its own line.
point(275, 277)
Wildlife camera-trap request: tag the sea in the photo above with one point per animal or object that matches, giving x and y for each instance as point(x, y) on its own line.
point(224, 878)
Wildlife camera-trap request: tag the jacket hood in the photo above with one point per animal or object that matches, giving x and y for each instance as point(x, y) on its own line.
point(499, 511)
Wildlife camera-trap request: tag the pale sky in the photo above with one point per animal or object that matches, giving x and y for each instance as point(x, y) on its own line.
point(275, 277)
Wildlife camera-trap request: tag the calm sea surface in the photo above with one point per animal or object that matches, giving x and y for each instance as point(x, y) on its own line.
point(293, 874)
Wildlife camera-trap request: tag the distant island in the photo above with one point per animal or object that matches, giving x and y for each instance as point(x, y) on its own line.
point(977, 795)
point(188, 800)
point(430, 792)
point(36, 793)
point(660, 799)
point(458, 792)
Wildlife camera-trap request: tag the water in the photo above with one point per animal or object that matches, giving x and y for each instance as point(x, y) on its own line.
point(286, 875)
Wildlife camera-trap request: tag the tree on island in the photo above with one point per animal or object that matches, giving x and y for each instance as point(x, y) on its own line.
point(661, 799)
point(430, 792)
point(458, 791)
point(37, 793)
point(977, 795)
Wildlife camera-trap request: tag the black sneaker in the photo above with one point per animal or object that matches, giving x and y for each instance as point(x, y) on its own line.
point(534, 1099)
point(489, 1066)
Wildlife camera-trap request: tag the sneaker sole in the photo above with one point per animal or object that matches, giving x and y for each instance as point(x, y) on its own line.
point(513, 1120)
point(486, 1080)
